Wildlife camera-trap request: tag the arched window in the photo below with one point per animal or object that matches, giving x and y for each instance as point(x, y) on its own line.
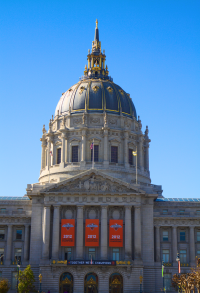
point(91, 283)
point(116, 283)
point(66, 283)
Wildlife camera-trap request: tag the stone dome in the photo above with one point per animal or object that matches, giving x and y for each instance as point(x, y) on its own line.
point(96, 96)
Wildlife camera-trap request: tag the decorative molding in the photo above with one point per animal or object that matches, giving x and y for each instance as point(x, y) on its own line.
point(94, 120)
point(77, 121)
point(176, 222)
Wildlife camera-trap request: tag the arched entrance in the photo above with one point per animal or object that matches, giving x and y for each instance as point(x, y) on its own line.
point(91, 283)
point(66, 283)
point(116, 283)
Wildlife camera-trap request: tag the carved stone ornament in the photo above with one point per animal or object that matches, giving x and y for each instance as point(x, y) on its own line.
point(77, 121)
point(95, 88)
point(93, 184)
point(110, 90)
point(113, 121)
point(94, 120)
point(175, 222)
point(116, 213)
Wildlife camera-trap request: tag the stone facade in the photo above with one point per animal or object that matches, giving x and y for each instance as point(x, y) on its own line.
point(154, 228)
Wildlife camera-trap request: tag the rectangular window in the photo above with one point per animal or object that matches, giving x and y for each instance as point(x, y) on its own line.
point(167, 282)
point(182, 212)
point(182, 235)
point(18, 234)
point(0, 275)
point(2, 234)
point(96, 153)
point(14, 281)
point(165, 212)
point(198, 236)
point(18, 255)
point(92, 253)
point(130, 157)
point(59, 156)
point(198, 213)
point(114, 154)
point(75, 153)
point(68, 253)
point(165, 254)
point(165, 236)
point(3, 210)
point(198, 253)
point(1, 255)
point(115, 254)
point(183, 256)
point(20, 209)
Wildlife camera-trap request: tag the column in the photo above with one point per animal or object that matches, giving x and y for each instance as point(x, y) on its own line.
point(83, 146)
point(128, 234)
point(43, 155)
point(63, 149)
point(56, 234)
point(104, 232)
point(26, 242)
point(140, 154)
point(126, 149)
point(158, 243)
point(53, 159)
point(46, 233)
point(174, 243)
point(147, 157)
point(105, 147)
point(137, 233)
point(48, 155)
point(79, 233)
point(9, 245)
point(192, 246)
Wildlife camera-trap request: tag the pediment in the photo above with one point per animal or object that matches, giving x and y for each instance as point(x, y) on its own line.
point(93, 181)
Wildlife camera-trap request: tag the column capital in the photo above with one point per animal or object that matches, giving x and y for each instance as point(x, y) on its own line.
point(128, 207)
point(56, 206)
point(47, 207)
point(104, 207)
point(80, 206)
point(137, 207)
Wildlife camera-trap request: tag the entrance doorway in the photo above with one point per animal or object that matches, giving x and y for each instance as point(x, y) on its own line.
point(66, 283)
point(91, 283)
point(116, 283)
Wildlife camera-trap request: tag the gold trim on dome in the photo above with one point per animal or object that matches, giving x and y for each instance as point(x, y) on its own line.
point(110, 89)
point(121, 92)
point(82, 88)
point(95, 88)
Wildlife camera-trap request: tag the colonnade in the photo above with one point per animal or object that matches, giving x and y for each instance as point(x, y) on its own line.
point(143, 162)
point(174, 244)
point(9, 244)
point(104, 232)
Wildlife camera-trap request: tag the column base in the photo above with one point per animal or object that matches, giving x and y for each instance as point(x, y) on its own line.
point(62, 165)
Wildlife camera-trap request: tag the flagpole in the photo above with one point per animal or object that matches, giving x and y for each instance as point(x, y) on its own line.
point(93, 156)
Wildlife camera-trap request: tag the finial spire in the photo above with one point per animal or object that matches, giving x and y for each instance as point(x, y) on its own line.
point(96, 23)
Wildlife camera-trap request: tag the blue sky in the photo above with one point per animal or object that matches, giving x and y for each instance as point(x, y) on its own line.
point(153, 53)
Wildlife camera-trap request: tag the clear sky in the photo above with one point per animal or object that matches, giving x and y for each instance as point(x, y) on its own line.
point(153, 53)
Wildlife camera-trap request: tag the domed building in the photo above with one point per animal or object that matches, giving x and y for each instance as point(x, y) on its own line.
point(94, 223)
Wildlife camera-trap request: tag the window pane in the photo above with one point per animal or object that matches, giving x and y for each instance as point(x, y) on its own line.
point(59, 156)
point(14, 280)
point(183, 256)
point(18, 253)
point(92, 253)
point(96, 153)
point(114, 154)
point(165, 235)
point(165, 254)
point(115, 253)
point(165, 212)
point(182, 236)
point(198, 253)
point(68, 253)
point(20, 209)
point(181, 211)
point(167, 281)
point(75, 153)
point(0, 275)
point(198, 212)
point(3, 210)
point(19, 234)
point(130, 157)
point(198, 236)
point(2, 234)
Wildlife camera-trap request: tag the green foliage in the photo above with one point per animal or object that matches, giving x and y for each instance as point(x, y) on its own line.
point(4, 286)
point(26, 281)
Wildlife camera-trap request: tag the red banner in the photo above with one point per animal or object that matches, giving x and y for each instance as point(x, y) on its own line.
point(116, 233)
point(67, 232)
point(91, 232)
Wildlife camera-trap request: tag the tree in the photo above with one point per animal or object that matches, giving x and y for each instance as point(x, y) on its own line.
point(26, 281)
point(4, 286)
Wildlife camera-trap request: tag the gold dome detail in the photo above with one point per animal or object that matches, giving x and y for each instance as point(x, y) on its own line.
point(110, 89)
point(95, 88)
